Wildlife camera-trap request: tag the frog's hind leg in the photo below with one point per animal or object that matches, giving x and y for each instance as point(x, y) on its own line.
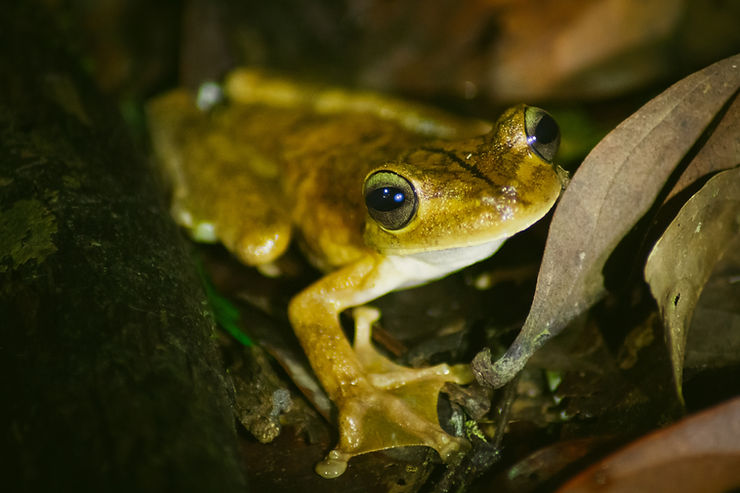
point(255, 86)
point(223, 189)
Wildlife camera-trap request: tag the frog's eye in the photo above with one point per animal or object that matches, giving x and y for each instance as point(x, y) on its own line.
point(391, 199)
point(543, 134)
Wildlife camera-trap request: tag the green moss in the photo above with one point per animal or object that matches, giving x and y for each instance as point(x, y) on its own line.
point(472, 429)
point(28, 229)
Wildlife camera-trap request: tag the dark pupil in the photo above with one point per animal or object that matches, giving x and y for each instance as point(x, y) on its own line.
point(547, 130)
point(385, 199)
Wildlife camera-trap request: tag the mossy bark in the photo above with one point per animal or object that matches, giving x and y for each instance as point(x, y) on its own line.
point(110, 376)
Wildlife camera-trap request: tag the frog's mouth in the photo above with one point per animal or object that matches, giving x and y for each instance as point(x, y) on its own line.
point(462, 256)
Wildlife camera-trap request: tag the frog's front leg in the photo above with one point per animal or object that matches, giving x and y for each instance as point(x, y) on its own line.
point(381, 405)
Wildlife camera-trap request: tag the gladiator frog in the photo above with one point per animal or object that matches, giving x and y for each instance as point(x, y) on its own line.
point(381, 194)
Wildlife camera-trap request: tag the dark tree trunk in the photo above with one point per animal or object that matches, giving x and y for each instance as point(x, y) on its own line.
point(109, 373)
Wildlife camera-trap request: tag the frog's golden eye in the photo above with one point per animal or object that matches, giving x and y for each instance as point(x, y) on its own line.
point(543, 134)
point(390, 199)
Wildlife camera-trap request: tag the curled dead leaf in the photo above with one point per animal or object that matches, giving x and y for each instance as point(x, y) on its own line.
point(714, 339)
point(682, 259)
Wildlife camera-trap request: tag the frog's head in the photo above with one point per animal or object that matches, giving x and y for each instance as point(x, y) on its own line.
point(454, 194)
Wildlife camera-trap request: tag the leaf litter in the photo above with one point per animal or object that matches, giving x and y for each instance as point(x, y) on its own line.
point(618, 183)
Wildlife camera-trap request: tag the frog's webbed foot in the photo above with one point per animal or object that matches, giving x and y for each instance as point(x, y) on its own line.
point(384, 373)
point(395, 407)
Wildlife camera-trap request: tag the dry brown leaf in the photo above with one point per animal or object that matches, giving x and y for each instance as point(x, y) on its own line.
point(520, 50)
point(700, 453)
point(530, 473)
point(714, 338)
point(721, 151)
point(579, 49)
point(682, 259)
point(618, 182)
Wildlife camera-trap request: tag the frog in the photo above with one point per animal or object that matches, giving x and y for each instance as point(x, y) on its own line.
point(381, 194)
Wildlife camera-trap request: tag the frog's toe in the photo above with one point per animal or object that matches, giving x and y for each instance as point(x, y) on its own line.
point(384, 373)
point(402, 376)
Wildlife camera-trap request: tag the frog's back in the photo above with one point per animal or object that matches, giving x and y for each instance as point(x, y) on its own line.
point(283, 158)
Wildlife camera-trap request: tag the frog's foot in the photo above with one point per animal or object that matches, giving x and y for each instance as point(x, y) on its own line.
point(395, 407)
point(384, 373)
point(374, 419)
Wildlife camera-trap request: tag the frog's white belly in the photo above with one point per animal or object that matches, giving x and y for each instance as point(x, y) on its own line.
point(423, 267)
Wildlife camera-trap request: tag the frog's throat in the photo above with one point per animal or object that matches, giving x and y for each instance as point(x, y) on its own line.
point(421, 267)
